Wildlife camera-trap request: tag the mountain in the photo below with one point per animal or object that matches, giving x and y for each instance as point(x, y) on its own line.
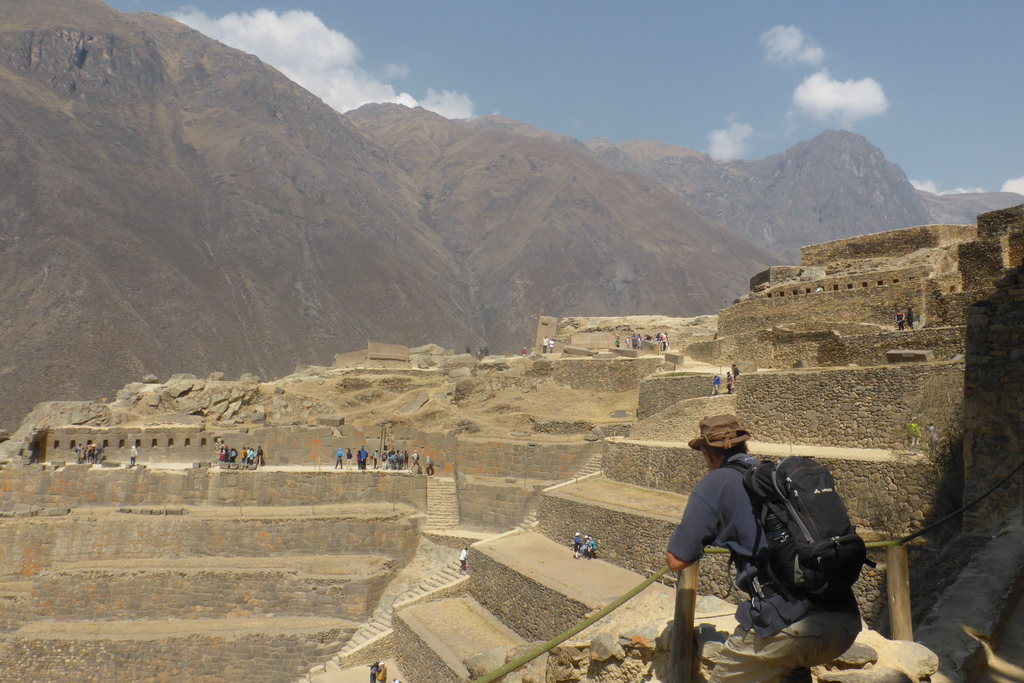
point(542, 227)
point(834, 186)
point(169, 204)
point(959, 209)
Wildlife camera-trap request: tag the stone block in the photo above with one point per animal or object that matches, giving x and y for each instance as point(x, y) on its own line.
point(676, 358)
point(330, 420)
point(909, 356)
point(626, 353)
point(381, 351)
point(746, 367)
point(575, 351)
point(592, 340)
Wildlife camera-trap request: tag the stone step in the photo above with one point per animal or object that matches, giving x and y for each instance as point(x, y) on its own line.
point(380, 625)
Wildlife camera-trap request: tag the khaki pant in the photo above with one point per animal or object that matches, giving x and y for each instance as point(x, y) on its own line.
point(817, 638)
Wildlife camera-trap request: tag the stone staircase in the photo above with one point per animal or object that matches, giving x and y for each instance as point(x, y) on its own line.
point(442, 504)
point(372, 639)
point(592, 467)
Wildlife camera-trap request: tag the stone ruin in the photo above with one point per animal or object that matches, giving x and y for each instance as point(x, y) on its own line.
point(181, 568)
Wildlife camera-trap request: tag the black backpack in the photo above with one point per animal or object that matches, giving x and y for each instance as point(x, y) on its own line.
point(814, 549)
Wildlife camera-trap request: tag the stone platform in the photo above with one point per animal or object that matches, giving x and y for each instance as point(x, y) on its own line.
point(536, 587)
point(437, 638)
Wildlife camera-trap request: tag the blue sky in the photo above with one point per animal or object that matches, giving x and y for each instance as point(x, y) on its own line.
point(935, 85)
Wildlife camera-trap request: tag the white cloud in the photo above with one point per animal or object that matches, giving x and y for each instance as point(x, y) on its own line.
point(320, 59)
point(930, 186)
point(447, 103)
point(1014, 185)
point(788, 45)
point(845, 102)
point(728, 143)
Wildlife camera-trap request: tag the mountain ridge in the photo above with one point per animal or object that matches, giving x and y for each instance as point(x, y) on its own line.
point(170, 204)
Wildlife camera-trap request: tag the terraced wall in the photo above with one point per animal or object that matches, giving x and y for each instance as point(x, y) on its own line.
point(81, 485)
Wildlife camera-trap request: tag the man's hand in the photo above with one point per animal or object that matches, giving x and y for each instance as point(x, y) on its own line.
point(674, 563)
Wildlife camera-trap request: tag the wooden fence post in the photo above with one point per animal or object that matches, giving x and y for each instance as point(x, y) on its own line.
point(682, 625)
point(898, 577)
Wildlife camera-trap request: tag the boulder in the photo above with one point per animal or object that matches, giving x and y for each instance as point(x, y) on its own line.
point(857, 657)
point(605, 647)
point(415, 404)
point(215, 377)
point(249, 377)
point(486, 661)
point(150, 379)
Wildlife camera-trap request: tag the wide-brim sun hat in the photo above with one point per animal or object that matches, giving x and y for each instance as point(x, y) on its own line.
point(721, 431)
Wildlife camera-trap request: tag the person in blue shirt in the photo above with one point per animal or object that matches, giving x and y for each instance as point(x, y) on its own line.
point(780, 634)
point(340, 463)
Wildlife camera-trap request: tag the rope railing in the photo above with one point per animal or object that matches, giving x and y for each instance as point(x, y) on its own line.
point(898, 577)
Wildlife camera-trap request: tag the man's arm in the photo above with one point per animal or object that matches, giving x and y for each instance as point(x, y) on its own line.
point(674, 563)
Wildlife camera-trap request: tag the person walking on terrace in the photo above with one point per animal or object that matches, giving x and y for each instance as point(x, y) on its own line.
point(781, 633)
point(910, 318)
point(933, 438)
point(913, 435)
point(715, 384)
point(901, 319)
point(339, 463)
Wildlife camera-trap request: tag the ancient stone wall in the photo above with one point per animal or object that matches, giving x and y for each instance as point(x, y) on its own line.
point(1001, 222)
point(526, 605)
point(30, 545)
point(253, 657)
point(892, 496)
point(304, 445)
point(80, 485)
point(848, 407)
point(890, 244)
point(783, 348)
point(993, 401)
point(586, 374)
point(174, 592)
point(662, 391)
point(871, 304)
point(495, 503)
point(775, 275)
point(524, 459)
point(982, 262)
